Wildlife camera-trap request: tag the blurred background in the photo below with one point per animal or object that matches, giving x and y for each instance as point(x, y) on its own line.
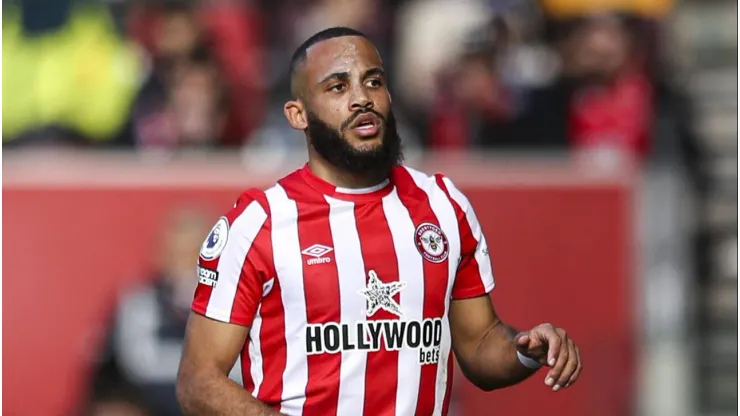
point(597, 140)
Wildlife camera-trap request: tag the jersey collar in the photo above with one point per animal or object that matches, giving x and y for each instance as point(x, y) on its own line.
point(353, 194)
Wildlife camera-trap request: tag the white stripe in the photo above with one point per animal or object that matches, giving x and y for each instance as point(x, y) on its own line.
point(351, 269)
point(289, 267)
point(255, 345)
point(411, 271)
point(445, 212)
point(481, 257)
point(241, 235)
point(255, 352)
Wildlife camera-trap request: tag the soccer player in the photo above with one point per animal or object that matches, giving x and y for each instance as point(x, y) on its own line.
point(346, 287)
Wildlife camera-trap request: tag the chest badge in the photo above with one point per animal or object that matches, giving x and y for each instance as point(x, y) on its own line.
point(431, 242)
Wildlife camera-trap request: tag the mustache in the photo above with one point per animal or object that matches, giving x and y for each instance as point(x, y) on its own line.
point(354, 116)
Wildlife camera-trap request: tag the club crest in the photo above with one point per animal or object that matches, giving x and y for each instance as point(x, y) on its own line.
point(431, 242)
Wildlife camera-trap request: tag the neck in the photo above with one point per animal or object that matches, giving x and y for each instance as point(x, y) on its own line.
point(343, 179)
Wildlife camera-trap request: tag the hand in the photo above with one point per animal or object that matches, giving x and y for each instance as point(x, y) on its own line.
point(552, 347)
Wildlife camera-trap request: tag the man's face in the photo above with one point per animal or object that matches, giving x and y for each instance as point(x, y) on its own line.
point(600, 48)
point(194, 104)
point(348, 114)
point(176, 34)
point(180, 243)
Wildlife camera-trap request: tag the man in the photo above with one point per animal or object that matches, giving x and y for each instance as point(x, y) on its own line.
point(346, 286)
point(147, 339)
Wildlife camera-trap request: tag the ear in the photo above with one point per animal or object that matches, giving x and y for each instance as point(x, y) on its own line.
point(295, 112)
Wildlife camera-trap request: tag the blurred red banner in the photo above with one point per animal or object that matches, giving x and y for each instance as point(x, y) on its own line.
point(562, 245)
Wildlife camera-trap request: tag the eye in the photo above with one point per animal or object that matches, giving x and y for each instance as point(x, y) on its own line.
point(337, 88)
point(374, 83)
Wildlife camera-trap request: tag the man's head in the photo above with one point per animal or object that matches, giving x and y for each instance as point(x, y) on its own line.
point(180, 241)
point(341, 101)
point(176, 30)
point(598, 47)
point(197, 103)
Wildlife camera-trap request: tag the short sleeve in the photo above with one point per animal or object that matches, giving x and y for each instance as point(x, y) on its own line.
point(231, 271)
point(475, 273)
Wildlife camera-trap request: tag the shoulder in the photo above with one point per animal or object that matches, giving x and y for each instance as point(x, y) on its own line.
point(264, 198)
point(436, 183)
point(251, 205)
point(246, 218)
point(407, 177)
point(255, 206)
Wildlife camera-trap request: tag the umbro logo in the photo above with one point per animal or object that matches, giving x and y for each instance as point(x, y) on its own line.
point(317, 251)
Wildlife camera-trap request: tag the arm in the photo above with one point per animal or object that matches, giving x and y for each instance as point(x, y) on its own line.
point(484, 345)
point(232, 271)
point(490, 353)
point(203, 383)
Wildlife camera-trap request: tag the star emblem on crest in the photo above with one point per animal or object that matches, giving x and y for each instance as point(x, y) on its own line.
point(379, 295)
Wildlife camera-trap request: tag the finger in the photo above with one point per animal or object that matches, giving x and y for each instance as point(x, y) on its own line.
point(554, 343)
point(522, 340)
point(560, 362)
point(579, 367)
point(570, 366)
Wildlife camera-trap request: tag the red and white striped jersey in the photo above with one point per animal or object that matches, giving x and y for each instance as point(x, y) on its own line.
point(346, 292)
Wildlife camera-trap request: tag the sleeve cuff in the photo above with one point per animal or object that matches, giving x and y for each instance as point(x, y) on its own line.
point(223, 316)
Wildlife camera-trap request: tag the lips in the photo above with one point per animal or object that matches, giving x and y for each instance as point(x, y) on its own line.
point(366, 125)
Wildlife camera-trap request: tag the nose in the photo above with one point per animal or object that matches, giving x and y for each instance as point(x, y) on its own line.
point(360, 100)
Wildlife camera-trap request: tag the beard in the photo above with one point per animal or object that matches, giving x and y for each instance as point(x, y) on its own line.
point(331, 144)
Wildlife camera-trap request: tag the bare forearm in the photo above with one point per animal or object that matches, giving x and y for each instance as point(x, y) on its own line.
point(215, 394)
point(494, 363)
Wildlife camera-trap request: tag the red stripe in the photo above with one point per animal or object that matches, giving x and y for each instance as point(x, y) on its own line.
point(255, 265)
point(436, 277)
point(465, 237)
point(255, 272)
point(378, 254)
point(468, 281)
point(321, 288)
point(258, 267)
point(272, 332)
point(201, 298)
point(272, 347)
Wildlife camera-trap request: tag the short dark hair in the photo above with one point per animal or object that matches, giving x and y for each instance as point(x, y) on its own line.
point(299, 56)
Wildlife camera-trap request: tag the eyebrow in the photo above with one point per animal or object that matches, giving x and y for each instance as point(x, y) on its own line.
point(374, 71)
point(343, 76)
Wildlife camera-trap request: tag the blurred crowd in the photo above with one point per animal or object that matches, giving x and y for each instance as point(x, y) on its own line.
point(543, 75)
point(500, 75)
point(135, 372)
